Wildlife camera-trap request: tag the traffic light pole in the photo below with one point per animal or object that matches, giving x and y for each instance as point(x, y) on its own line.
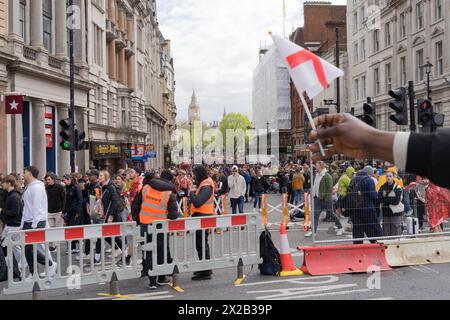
point(72, 97)
point(338, 83)
point(412, 112)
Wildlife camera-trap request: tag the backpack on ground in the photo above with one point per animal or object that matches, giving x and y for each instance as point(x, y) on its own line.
point(271, 264)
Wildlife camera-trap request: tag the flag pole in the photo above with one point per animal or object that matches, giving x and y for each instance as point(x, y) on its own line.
point(284, 19)
point(311, 121)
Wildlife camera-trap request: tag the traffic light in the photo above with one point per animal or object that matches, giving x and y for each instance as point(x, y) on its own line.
point(370, 113)
point(400, 106)
point(438, 120)
point(66, 134)
point(81, 144)
point(425, 113)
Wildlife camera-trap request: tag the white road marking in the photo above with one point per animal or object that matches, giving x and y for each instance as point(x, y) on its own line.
point(417, 269)
point(303, 292)
point(382, 298)
point(324, 294)
point(302, 280)
point(428, 268)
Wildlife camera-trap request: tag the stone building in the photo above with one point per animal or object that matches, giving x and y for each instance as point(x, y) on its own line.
point(318, 35)
point(389, 43)
point(123, 69)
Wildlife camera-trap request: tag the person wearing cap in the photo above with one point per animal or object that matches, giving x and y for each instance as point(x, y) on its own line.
point(56, 196)
point(237, 186)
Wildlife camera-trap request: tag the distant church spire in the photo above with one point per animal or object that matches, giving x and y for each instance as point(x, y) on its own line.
point(194, 109)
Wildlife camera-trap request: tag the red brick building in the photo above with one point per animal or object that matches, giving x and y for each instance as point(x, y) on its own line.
point(317, 35)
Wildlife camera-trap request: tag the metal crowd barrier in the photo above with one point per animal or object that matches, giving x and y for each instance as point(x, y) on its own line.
point(238, 243)
point(74, 271)
point(285, 208)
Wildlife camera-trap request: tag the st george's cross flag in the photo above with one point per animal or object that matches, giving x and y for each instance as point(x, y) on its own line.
point(309, 72)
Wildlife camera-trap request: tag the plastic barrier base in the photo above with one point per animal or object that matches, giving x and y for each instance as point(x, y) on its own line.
point(356, 258)
point(409, 252)
point(296, 272)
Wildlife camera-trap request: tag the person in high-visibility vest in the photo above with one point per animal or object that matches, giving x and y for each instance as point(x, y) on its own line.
point(155, 202)
point(202, 204)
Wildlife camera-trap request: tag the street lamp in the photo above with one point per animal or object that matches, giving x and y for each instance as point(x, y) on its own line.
point(268, 138)
point(192, 143)
point(428, 70)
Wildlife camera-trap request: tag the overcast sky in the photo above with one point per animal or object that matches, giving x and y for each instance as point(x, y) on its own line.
point(215, 47)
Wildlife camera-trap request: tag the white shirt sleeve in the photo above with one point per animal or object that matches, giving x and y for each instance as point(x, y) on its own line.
point(400, 149)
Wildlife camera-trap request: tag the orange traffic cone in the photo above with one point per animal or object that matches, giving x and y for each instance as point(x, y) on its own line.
point(287, 263)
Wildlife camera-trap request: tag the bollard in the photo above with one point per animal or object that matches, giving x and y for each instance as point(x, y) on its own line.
point(114, 285)
point(240, 273)
point(175, 280)
point(113, 289)
point(36, 291)
point(285, 209)
point(264, 209)
point(306, 207)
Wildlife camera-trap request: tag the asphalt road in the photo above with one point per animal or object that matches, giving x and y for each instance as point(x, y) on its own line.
point(414, 282)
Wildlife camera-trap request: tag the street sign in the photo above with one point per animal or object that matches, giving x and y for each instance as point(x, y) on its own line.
point(14, 105)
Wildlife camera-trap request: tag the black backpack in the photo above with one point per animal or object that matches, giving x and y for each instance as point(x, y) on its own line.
point(354, 198)
point(271, 264)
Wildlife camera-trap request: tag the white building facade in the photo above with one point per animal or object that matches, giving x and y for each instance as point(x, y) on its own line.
point(390, 47)
point(271, 101)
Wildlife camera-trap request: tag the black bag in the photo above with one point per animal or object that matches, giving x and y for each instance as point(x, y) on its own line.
point(354, 198)
point(271, 264)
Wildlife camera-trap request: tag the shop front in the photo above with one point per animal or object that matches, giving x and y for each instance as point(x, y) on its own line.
point(106, 156)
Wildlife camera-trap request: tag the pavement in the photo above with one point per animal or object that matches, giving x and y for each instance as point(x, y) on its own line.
point(423, 282)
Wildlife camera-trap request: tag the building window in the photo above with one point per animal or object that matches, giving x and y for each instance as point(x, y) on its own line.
point(47, 24)
point(355, 22)
point(110, 105)
point(403, 71)
point(363, 49)
point(98, 45)
point(419, 65)
point(356, 89)
point(362, 12)
point(439, 59)
point(402, 25)
point(439, 9)
point(376, 80)
point(388, 77)
point(376, 40)
point(140, 78)
point(22, 19)
point(387, 34)
point(355, 53)
point(363, 87)
point(98, 105)
point(419, 15)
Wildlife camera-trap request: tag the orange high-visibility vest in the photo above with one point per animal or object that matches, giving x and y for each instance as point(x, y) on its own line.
point(208, 206)
point(154, 205)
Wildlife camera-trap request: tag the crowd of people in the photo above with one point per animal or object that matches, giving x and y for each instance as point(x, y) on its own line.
point(373, 196)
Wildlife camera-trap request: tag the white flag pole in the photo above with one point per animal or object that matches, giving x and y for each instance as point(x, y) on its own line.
point(311, 121)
